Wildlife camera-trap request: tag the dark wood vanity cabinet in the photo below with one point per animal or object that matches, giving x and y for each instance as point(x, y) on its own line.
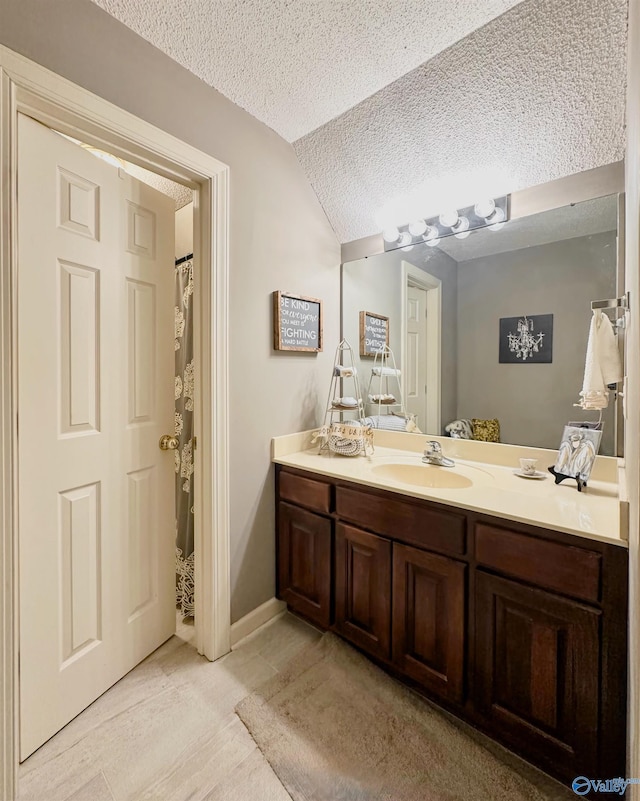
point(429, 601)
point(518, 630)
point(537, 671)
point(304, 562)
point(363, 589)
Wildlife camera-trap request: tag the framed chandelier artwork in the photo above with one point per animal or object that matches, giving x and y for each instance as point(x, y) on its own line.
point(527, 339)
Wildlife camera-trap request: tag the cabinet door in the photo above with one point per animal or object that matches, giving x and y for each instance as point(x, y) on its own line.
point(428, 626)
point(304, 562)
point(363, 589)
point(537, 673)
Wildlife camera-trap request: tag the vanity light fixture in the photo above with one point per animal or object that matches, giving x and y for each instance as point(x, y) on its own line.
point(449, 218)
point(491, 213)
point(391, 235)
point(485, 208)
point(497, 220)
point(417, 228)
point(431, 235)
point(461, 226)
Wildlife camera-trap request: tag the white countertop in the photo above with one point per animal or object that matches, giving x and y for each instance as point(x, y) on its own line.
point(595, 513)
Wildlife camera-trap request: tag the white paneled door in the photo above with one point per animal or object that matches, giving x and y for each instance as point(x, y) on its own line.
point(95, 376)
point(416, 353)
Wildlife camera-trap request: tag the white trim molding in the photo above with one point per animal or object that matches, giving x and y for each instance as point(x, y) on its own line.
point(257, 618)
point(632, 389)
point(26, 87)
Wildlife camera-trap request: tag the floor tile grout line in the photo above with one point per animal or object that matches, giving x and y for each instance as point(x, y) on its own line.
point(106, 781)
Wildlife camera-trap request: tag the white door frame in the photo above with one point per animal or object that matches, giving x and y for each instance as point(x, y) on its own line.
point(29, 88)
point(414, 276)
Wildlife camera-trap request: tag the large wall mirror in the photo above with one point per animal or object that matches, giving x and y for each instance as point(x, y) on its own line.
point(452, 307)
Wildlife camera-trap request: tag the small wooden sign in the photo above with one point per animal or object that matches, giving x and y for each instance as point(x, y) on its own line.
point(297, 322)
point(374, 333)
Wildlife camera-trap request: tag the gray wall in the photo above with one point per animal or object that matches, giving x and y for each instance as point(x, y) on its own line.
point(375, 284)
point(371, 285)
point(532, 401)
point(280, 239)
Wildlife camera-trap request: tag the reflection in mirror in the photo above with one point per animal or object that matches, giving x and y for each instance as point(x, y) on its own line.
point(445, 305)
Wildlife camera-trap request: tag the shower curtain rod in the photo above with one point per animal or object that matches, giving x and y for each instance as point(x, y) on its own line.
point(183, 259)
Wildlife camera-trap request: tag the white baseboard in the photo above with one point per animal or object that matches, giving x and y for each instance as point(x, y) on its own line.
point(256, 618)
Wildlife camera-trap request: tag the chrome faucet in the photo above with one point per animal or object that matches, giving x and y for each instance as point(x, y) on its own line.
point(433, 455)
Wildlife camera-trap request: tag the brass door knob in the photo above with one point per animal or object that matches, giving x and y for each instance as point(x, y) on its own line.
point(168, 442)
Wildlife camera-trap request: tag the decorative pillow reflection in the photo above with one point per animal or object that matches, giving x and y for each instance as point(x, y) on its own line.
point(486, 430)
point(459, 429)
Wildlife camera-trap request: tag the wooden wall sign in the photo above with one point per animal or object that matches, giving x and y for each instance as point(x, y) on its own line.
point(374, 333)
point(297, 322)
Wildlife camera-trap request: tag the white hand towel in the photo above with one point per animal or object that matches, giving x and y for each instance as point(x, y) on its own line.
point(344, 372)
point(602, 365)
point(385, 371)
point(348, 401)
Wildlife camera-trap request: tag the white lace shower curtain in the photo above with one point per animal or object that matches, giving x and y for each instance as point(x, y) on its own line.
point(184, 433)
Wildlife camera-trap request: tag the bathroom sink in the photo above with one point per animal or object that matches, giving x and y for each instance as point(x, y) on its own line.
point(423, 475)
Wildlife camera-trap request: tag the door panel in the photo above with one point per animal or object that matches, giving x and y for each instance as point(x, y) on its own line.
point(429, 619)
point(81, 547)
point(95, 376)
point(141, 307)
point(304, 562)
point(79, 347)
point(363, 589)
point(537, 672)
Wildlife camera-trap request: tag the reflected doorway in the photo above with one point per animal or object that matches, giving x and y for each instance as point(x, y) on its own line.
point(421, 346)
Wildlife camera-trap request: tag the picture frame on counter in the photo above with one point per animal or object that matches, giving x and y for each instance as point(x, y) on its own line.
point(577, 454)
point(374, 333)
point(297, 322)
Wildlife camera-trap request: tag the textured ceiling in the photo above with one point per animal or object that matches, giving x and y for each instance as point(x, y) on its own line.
point(296, 64)
point(535, 95)
point(180, 194)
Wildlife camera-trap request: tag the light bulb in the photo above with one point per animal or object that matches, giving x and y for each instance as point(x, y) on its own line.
point(449, 218)
point(485, 208)
point(498, 216)
point(390, 234)
point(461, 225)
point(405, 239)
point(462, 235)
point(417, 228)
point(433, 242)
point(497, 226)
point(431, 232)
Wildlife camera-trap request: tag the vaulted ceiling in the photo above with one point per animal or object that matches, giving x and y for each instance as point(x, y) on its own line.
point(397, 108)
point(296, 64)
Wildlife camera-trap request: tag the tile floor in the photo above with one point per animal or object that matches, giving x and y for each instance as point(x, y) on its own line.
point(167, 731)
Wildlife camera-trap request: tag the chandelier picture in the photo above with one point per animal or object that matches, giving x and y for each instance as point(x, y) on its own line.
point(525, 343)
point(526, 339)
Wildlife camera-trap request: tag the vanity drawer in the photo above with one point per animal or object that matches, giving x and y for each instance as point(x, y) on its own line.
point(412, 523)
point(563, 568)
point(307, 492)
